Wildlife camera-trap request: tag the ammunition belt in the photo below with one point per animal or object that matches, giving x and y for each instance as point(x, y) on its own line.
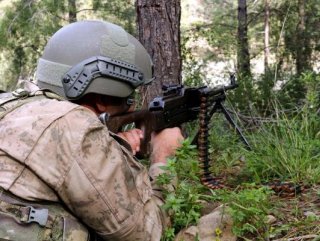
point(284, 189)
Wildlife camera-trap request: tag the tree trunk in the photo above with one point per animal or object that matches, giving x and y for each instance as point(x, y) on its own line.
point(158, 23)
point(266, 36)
point(72, 10)
point(243, 57)
point(303, 50)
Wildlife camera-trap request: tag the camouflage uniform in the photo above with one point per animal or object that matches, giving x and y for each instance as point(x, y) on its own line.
point(59, 152)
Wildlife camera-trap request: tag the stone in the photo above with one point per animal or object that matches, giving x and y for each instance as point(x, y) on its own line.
point(271, 219)
point(216, 225)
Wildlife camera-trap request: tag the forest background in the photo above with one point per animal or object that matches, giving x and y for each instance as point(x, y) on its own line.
point(272, 47)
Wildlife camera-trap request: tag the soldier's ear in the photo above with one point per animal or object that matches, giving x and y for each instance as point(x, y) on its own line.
point(101, 103)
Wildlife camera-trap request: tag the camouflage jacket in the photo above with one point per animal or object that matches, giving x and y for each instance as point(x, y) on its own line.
point(59, 151)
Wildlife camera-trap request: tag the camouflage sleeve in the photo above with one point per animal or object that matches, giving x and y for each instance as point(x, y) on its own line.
point(156, 170)
point(105, 186)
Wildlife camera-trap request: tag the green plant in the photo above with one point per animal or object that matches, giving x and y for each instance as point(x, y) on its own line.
point(226, 150)
point(311, 81)
point(168, 234)
point(184, 203)
point(245, 95)
point(287, 149)
point(249, 209)
point(295, 227)
point(300, 90)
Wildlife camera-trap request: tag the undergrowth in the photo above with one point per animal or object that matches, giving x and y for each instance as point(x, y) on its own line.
point(184, 202)
point(248, 209)
point(285, 148)
point(288, 149)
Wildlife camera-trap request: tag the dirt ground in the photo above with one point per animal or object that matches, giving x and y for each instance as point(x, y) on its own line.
point(291, 218)
point(297, 218)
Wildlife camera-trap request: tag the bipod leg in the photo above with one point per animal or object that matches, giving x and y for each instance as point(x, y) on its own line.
point(231, 121)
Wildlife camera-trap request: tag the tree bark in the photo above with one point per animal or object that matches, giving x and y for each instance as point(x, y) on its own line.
point(72, 10)
point(303, 50)
point(266, 36)
point(158, 23)
point(243, 57)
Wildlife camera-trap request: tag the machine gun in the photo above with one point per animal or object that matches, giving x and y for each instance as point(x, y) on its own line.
point(179, 105)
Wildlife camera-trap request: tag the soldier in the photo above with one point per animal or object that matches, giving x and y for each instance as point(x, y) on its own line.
point(62, 173)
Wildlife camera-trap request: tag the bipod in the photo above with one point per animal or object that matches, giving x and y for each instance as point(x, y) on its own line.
point(219, 107)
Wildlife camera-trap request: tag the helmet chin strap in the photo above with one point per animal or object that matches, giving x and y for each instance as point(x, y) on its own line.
point(130, 100)
point(104, 117)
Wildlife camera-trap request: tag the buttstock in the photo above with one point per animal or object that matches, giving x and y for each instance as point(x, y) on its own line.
point(142, 119)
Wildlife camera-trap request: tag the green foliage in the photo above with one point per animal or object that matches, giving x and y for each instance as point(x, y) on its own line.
point(300, 224)
point(264, 95)
point(301, 43)
point(118, 12)
point(24, 30)
point(301, 89)
point(218, 27)
point(221, 32)
point(226, 149)
point(288, 149)
point(26, 27)
point(261, 94)
point(169, 235)
point(312, 97)
point(245, 95)
point(192, 69)
point(184, 203)
point(249, 209)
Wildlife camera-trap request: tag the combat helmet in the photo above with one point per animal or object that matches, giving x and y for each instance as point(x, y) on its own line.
point(93, 57)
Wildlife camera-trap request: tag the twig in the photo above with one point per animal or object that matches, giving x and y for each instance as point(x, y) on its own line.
point(300, 238)
point(86, 9)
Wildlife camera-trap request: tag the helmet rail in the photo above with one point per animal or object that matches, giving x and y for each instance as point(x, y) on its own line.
point(80, 76)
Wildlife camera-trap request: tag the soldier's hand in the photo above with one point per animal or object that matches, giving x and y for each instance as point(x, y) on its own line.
point(133, 137)
point(165, 143)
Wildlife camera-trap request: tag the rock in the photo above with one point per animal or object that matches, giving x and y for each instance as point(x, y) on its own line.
point(217, 224)
point(207, 207)
point(187, 234)
point(271, 219)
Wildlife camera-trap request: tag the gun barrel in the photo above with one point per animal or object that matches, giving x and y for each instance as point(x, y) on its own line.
point(221, 89)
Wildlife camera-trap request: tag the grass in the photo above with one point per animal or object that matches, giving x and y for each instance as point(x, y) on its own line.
point(286, 149)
